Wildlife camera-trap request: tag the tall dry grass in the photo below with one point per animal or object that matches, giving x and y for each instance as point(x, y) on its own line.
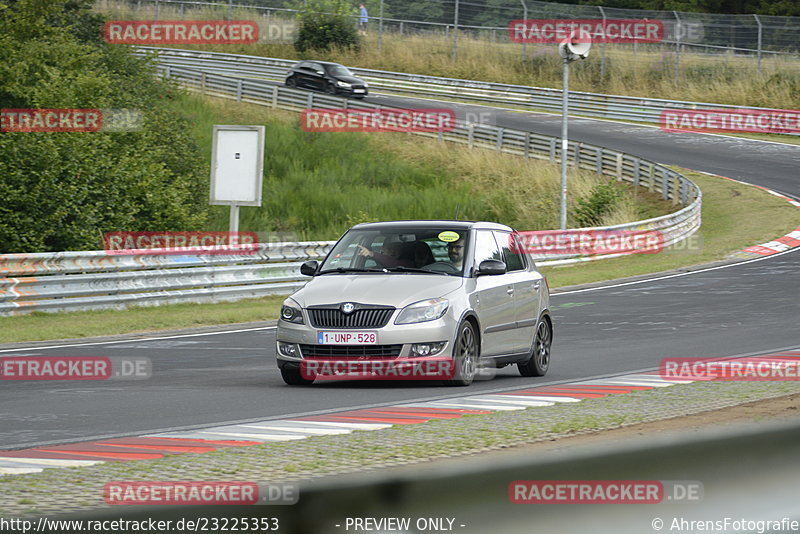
point(647, 71)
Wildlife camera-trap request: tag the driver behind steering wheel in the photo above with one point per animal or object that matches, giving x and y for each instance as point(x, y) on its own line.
point(455, 250)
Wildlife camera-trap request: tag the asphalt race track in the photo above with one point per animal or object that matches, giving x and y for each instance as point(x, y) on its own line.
point(738, 309)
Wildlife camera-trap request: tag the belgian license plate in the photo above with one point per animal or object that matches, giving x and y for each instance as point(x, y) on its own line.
point(347, 338)
point(358, 90)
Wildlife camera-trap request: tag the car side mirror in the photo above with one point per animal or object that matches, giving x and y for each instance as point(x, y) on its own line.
point(309, 268)
point(491, 267)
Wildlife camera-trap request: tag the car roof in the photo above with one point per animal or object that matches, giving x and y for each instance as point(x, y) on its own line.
point(433, 223)
point(320, 62)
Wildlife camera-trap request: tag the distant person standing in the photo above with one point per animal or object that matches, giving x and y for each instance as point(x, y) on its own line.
point(363, 17)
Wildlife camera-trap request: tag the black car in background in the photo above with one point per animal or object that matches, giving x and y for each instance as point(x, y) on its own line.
point(325, 76)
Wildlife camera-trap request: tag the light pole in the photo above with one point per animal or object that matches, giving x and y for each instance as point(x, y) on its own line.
point(524, 17)
point(570, 50)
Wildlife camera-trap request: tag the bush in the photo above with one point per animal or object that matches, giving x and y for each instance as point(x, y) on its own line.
point(602, 200)
point(326, 24)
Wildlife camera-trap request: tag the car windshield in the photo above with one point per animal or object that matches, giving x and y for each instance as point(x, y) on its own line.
point(338, 70)
point(399, 250)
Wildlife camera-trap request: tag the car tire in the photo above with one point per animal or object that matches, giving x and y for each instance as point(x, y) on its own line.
point(330, 89)
point(293, 377)
point(539, 362)
point(291, 82)
point(466, 353)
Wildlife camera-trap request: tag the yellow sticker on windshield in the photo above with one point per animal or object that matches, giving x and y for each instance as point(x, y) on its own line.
point(448, 236)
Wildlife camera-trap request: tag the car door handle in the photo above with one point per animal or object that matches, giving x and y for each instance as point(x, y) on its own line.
point(510, 290)
point(536, 285)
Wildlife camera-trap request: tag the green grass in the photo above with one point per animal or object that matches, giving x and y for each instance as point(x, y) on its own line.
point(39, 326)
point(317, 185)
point(734, 217)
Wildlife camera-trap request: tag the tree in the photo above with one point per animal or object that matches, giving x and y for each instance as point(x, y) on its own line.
point(63, 190)
point(324, 24)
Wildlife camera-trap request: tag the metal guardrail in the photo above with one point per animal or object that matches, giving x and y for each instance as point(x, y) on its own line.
point(72, 281)
point(96, 279)
point(617, 107)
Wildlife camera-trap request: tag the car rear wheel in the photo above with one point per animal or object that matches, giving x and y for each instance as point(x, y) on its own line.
point(465, 356)
point(539, 361)
point(293, 377)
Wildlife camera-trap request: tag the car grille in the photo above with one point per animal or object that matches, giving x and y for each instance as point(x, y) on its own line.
point(350, 351)
point(362, 318)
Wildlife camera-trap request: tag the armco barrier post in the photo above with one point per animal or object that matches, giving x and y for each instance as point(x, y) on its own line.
point(380, 29)
point(677, 45)
point(603, 46)
point(455, 32)
point(758, 21)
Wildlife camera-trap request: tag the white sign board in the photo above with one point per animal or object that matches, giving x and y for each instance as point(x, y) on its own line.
point(237, 165)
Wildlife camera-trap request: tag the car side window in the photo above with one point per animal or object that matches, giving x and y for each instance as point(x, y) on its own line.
point(486, 247)
point(514, 260)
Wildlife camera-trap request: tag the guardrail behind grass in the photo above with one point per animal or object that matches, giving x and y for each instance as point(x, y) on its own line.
point(615, 107)
point(71, 281)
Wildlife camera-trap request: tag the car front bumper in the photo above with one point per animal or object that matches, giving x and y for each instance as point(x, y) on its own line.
point(349, 91)
point(440, 330)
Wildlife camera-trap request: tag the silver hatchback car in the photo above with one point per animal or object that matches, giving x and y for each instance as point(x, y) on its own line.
point(393, 298)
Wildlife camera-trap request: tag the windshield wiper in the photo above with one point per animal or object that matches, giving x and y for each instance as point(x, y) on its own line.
point(351, 270)
point(400, 268)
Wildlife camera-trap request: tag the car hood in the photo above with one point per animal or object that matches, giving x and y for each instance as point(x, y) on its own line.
point(395, 289)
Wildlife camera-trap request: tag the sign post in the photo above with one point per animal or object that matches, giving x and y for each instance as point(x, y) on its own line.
point(237, 168)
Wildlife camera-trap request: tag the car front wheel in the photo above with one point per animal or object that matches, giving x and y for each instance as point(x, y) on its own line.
point(330, 89)
point(293, 377)
point(291, 82)
point(465, 356)
point(539, 361)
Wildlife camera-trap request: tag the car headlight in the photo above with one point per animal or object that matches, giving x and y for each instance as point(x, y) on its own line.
point(342, 84)
point(424, 310)
point(291, 312)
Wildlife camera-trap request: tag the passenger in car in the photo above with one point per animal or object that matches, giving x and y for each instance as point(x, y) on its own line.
point(392, 254)
point(422, 254)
